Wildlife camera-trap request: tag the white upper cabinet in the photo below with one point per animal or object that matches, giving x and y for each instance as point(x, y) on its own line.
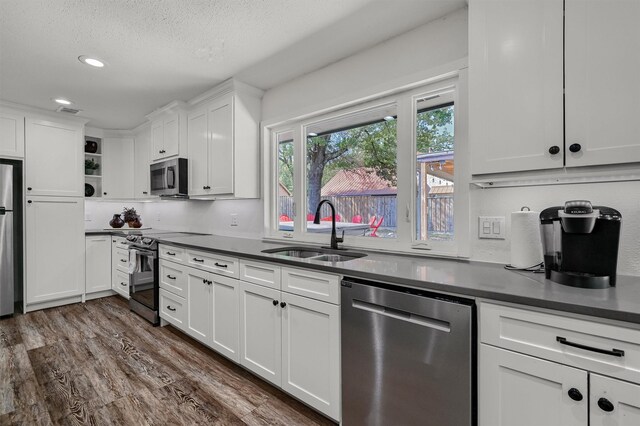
point(117, 164)
point(142, 159)
point(602, 64)
point(223, 142)
point(516, 88)
point(11, 135)
point(168, 131)
point(54, 159)
point(515, 85)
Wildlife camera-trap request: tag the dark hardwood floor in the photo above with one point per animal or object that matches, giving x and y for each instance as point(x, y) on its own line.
point(98, 363)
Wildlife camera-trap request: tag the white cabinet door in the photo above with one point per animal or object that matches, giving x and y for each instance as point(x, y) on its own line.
point(516, 389)
point(613, 402)
point(198, 142)
point(54, 159)
point(260, 331)
point(142, 160)
point(311, 352)
point(11, 135)
point(157, 140)
point(171, 136)
point(199, 305)
point(515, 85)
point(117, 168)
point(602, 65)
point(221, 155)
point(55, 245)
point(120, 283)
point(226, 334)
point(97, 263)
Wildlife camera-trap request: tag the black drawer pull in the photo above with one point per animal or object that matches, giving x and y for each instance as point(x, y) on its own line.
point(171, 254)
point(123, 261)
point(198, 260)
point(123, 284)
point(170, 277)
point(220, 265)
point(145, 192)
point(612, 352)
point(170, 308)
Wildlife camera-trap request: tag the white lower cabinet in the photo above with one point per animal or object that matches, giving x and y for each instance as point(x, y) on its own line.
point(53, 273)
point(261, 331)
point(120, 267)
point(311, 352)
point(572, 386)
point(97, 264)
point(225, 332)
point(199, 305)
point(517, 389)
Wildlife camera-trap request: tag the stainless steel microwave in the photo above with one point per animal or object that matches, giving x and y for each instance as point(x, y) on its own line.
point(169, 178)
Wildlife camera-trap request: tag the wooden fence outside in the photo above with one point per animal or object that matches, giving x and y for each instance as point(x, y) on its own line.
point(439, 209)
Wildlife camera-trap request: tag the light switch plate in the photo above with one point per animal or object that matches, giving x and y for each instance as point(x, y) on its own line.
point(492, 227)
point(234, 219)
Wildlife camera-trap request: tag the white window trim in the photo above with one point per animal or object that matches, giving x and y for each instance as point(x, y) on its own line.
point(406, 240)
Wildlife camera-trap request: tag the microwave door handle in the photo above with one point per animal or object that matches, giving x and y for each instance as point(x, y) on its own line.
point(172, 185)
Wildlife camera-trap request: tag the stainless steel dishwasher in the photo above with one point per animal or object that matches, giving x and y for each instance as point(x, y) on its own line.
point(408, 357)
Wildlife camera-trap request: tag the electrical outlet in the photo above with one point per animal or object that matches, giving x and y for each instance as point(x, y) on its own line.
point(492, 227)
point(158, 217)
point(234, 219)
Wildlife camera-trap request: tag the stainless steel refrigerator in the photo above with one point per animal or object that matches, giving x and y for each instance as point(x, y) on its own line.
point(10, 236)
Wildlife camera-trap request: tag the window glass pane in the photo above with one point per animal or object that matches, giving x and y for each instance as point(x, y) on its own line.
point(352, 161)
point(285, 206)
point(434, 171)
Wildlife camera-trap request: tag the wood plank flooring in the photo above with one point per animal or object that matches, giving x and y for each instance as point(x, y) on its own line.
point(99, 364)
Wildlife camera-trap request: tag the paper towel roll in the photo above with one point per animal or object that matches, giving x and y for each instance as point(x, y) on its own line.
point(526, 245)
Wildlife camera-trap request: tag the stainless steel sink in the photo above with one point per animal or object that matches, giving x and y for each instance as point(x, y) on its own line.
point(313, 253)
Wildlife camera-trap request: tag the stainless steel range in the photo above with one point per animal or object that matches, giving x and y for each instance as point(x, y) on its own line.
point(143, 272)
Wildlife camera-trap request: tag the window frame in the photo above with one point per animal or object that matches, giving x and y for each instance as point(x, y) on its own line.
point(406, 104)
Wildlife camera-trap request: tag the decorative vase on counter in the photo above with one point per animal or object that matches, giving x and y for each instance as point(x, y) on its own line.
point(135, 223)
point(116, 222)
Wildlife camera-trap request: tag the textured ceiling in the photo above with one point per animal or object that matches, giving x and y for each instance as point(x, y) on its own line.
point(161, 50)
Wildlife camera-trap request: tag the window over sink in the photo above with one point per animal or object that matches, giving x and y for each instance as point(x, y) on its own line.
point(386, 165)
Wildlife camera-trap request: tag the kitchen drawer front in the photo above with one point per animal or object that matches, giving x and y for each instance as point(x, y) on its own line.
point(173, 278)
point(119, 243)
point(542, 334)
point(120, 283)
point(173, 309)
point(260, 273)
point(172, 253)
point(212, 262)
point(121, 260)
point(315, 285)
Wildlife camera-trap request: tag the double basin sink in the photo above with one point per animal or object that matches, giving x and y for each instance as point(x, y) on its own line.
point(317, 254)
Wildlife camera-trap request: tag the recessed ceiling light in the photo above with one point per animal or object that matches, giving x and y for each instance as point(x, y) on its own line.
point(389, 118)
point(91, 61)
point(62, 101)
point(312, 134)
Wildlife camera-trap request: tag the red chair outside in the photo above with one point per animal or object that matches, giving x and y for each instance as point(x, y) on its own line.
point(328, 218)
point(374, 227)
point(356, 219)
point(285, 218)
point(310, 217)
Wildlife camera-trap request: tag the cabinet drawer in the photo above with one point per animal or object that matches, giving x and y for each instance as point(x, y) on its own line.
point(173, 278)
point(316, 285)
point(120, 283)
point(119, 243)
point(264, 274)
point(213, 263)
point(173, 309)
point(613, 350)
point(121, 260)
point(173, 253)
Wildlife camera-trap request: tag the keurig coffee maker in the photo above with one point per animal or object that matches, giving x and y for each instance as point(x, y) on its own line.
point(580, 244)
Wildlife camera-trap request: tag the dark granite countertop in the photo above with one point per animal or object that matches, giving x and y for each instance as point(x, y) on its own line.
point(458, 277)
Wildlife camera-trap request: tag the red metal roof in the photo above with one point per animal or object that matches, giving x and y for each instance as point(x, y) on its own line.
point(360, 181)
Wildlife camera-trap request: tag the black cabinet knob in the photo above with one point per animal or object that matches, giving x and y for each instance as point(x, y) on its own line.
point(575, 394)
point(283, 304)
point(145, 192)
point(275, 303)
point(29, 201)
point(104, 193)
point(29, 188)
point(605, 405)
point(575, 147)
point(554, 150)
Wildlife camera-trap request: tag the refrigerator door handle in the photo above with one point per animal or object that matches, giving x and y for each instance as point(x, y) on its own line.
point(3, 211)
